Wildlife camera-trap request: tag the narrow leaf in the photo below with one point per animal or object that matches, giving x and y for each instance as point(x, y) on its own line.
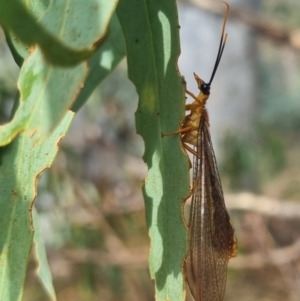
point(152, 42)
point(43, 270)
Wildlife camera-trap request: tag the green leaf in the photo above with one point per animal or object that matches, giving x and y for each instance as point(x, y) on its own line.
point(152, 42)
point(19, 50)
point(68, 32)
point(21, 162)
point(46, 92)
point(43, 269)
point(104, 60)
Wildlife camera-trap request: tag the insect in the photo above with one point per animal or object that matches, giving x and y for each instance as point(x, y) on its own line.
point(211, 235)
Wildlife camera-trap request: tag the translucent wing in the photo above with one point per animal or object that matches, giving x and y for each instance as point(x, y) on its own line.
point(211, 236)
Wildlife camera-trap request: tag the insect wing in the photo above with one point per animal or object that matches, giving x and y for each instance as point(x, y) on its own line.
point(211, 236)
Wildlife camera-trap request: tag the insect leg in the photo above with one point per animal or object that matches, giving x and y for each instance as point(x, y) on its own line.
point(192, 151)
point(180, 131)
point(192, 95)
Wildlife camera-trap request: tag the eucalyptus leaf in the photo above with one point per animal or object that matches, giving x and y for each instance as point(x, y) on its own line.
point(152, 42)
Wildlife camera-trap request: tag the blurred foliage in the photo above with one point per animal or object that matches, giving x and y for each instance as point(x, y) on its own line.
point(249, 163)
point(279, 105)
point(283, 11)
point(252, 161)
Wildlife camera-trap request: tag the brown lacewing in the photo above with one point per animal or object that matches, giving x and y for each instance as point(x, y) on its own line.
point(211, 235)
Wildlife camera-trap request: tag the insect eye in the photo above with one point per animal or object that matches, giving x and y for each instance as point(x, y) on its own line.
point(205, 89)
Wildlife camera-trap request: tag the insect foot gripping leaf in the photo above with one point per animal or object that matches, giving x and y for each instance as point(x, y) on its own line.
point(211, 235)
point(21, 162)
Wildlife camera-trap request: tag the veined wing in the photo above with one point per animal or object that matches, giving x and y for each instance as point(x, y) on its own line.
point(211, 236)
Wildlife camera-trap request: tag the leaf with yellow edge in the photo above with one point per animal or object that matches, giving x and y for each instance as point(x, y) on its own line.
point(21, 162)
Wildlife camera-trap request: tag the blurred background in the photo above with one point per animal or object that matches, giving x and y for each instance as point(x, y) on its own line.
point(90, 202)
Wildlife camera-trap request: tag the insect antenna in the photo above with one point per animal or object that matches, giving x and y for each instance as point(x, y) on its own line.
point(221, 46)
